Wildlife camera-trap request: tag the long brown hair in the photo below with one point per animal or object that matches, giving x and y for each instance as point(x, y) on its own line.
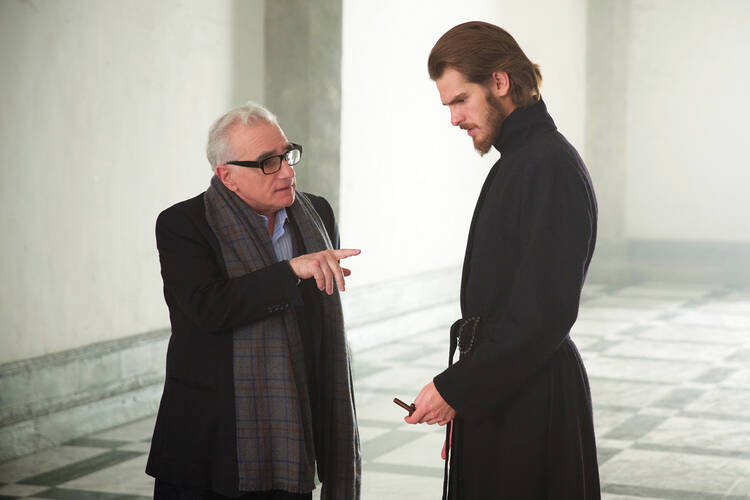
point(477, 49)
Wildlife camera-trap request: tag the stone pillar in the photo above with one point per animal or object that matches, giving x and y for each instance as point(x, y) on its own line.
point(303, 86)
point(606, 114)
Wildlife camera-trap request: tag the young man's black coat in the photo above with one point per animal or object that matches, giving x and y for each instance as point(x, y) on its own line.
point(524, 426)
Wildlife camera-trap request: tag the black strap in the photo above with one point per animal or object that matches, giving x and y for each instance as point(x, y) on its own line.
point(448, 445)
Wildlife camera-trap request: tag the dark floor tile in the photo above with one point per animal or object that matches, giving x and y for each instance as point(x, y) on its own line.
point(385, 443)
point(643, 491)
point(635, 427)
point(667, 316)
point(361, 370)
point(634, 330)
point(385, 424)
point(604, 454)
point(602, 345)
point(68, 494)
point(741, 356)
point(714, 375)
point(82, 468)
point(678, 398)
point(694, 450)
point(96, 443)
point(715, 416)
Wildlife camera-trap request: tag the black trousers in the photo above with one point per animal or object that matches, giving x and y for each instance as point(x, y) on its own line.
point(166, 491)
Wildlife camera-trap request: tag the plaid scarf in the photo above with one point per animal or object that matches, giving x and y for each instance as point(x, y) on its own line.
point(278, 436)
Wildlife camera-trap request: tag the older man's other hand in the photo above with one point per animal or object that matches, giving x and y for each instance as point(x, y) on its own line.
point(324, 267)
point(431, 408)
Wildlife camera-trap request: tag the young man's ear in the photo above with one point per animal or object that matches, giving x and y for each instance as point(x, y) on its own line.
point(500, 84)
point(224, 173)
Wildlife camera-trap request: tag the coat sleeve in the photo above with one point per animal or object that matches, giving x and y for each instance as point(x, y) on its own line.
point(556, 233)
point(195, 282)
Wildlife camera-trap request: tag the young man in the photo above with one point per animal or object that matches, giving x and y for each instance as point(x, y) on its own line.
point(518, 397)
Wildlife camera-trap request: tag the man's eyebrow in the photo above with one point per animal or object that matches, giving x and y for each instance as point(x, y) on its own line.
point(272, 152)
point(459, 97)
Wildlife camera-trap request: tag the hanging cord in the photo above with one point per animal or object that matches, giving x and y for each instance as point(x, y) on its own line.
point(458, 338)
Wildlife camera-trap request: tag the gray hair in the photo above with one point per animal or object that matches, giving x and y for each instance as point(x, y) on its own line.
point(218, 146)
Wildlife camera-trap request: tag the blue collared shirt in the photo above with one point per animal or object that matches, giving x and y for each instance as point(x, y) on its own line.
point(281, 238)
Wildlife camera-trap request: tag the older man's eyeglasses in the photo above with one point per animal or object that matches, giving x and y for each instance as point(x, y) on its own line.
point(272, 164)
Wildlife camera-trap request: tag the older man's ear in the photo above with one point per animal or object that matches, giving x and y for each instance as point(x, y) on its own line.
point(224, 173)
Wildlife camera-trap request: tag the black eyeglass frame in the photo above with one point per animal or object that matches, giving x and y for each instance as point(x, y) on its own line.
point(282, 156)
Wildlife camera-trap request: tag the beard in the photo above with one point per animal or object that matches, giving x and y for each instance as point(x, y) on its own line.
point(495, 118)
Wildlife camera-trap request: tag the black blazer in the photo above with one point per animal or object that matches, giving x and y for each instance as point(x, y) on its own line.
point(194, 439)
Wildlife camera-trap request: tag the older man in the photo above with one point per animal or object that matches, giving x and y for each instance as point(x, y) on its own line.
point(258, 388)
point(518, 396)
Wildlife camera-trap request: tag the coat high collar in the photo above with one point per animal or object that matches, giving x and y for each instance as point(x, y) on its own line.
point(521, 123)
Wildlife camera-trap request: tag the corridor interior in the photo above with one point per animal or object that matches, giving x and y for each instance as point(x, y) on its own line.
point(670, 373)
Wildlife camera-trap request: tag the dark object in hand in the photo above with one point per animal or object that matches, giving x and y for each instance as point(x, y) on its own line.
point(410, 408)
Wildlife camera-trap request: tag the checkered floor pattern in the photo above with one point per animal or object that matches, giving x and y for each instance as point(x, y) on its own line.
point(670, 376)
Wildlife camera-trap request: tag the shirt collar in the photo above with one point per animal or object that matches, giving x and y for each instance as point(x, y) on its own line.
point(279, 225)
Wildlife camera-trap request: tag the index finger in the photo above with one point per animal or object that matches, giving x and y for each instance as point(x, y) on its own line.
point(417, 416)
point(346, 252)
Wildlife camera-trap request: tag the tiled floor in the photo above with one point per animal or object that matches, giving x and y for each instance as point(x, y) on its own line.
point(670, 375)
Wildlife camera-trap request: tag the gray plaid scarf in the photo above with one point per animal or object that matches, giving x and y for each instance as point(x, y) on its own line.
point(278, 437)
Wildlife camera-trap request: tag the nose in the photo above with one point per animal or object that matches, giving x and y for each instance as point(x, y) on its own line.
point(456, 117)
point(286, 170)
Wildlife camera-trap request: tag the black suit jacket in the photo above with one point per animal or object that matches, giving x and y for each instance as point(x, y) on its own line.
point(194, 439)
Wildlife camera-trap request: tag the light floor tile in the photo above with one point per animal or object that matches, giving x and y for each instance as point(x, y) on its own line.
point(609, 496)
point(618, 314)
point(605, 420)
point(713, 319)
point(438, 338)
point(598, 327)
point(655, 289)
point(20, 490)
point(636, 302)
point(727, 305)
point(423, 451)
point(404, 378)
point(607, 392)
point(583, 341)
point(674, 471)
point(722, 401)
point(644, 369)
point(741, 487)
point(135, 431)
point(438, 360)
point(126, 478)
point(680, 351)
point(613, 443)
point(385, 486)
point(142, 446)
point(383, 353)
point(701, 433)
point(44, 461)
point(704, 334)
point(367, 433)
point(741, 380)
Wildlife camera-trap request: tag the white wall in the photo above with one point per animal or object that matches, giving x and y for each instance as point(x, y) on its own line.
point(409, 181)
point(687, 169)
point(106, 106)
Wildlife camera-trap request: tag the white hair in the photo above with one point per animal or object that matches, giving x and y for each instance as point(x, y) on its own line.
point(218, 146)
